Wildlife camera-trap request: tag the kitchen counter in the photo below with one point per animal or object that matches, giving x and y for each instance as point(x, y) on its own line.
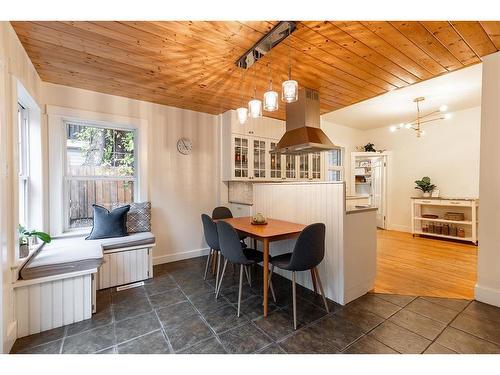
point(355, 210)
point(445, 198)
point(350, 263)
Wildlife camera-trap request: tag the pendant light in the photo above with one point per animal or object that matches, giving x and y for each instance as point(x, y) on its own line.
point(289, 88)
point(255, 105)
point(270, 96)
point(242, 112)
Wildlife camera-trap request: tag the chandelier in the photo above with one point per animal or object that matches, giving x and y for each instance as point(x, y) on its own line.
point(416, 124)
point(271, 98)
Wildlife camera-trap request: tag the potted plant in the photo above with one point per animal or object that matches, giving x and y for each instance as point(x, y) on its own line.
point(369, 147)
point(28, 238)
point(425, 186)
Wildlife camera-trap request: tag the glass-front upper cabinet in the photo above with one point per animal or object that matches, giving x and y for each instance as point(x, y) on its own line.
point(316, 166)
point(290, 166)
point(241, 157)
point(259, 159)
point(275, 168)
point(304, 167)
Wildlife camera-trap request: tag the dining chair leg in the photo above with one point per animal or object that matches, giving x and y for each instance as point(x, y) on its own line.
point(294, 302)
point(270, 283)
point(214, 262)
point(208, 264)
point(321, 289)
point(221, 277)
point(218, 269)
point(241, 287)
point(249, 278)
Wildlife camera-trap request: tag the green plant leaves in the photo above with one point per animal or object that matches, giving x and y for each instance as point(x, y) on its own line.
point(425, 185)
point(43, 236)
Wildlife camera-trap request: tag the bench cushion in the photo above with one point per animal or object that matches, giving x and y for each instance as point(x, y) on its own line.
point(71, 254)
point(133, 239)
point(61, 256)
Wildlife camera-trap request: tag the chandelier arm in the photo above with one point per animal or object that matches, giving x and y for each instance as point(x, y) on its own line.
point(433, 119)
point(430, 113)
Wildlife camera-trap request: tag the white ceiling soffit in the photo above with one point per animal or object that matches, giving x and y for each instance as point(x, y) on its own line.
point(459, 90)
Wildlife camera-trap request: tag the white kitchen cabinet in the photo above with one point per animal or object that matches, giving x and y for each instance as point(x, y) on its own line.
point(290, 167)
point(245, 149)
point(276, 169)
point(310, 166)
point(246, 153)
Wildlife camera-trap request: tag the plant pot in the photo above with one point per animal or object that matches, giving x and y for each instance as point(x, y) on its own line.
point(32, 240)
point(24, 251)
point(426, 195)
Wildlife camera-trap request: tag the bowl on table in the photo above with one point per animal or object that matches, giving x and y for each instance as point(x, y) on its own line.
point(258, 219)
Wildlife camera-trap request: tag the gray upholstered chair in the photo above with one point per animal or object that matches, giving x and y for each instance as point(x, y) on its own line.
point(308, 252)
point(212, 240)
point(222, 212)
point(232, 251)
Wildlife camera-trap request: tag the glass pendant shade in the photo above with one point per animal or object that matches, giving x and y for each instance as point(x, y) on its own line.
point(242, 115)
point(290, 91)
point(271, 101)
point(255, 108)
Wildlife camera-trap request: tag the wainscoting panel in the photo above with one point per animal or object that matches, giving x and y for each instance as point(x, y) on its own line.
point(51, 304)
point(124, 267)
point(308, 203)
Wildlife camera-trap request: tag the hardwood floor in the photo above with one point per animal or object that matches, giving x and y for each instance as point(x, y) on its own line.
point(424, 266)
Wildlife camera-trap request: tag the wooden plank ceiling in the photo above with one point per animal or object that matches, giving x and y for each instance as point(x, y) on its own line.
point(192, 64)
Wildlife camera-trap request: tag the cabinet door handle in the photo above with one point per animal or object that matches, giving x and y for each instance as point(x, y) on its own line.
point(426, 201)
point(454, 202)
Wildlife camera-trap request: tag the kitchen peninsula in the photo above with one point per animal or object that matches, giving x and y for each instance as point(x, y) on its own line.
point(349, 267)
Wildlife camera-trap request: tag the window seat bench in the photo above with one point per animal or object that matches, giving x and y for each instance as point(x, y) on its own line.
point(57, 285)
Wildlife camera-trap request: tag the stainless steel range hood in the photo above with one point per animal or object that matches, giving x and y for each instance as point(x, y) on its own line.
point(303, 133)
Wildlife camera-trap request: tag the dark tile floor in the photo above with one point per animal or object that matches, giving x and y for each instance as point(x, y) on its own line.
point(176, 312)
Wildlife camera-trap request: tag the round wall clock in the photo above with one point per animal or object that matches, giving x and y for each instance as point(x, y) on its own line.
point(184, 146)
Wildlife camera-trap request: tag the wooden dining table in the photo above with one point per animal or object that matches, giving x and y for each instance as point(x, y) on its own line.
point(274, 230)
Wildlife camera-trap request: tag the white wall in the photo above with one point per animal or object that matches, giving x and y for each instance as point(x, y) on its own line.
point(180, 187)
point(448, 154)
point(345, 137)
point(488, 267)
point(14, 65)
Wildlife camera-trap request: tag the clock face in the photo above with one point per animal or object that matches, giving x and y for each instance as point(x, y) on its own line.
point(184, 146)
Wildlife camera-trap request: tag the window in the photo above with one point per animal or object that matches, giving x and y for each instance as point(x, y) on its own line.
point(24, 157)
point(335, 165)
point(100, 168)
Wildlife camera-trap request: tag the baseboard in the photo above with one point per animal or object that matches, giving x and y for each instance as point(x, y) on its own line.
point(487, 295)
point(180, 256)
point(399, 228)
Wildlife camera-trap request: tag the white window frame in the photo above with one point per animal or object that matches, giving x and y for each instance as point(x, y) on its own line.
point(340, 168)
point(67, 178)
point(24, 163)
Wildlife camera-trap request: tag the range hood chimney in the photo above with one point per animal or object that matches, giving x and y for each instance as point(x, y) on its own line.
point(303, 133)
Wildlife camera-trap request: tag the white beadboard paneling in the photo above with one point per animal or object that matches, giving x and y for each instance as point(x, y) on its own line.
point(124, 267)
point(52, 304)
point(35, 308)
point(78, 298)
point(22, 309)
point(46, 305)
point(308, 203)
point(57, 303)
point(68, 304)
